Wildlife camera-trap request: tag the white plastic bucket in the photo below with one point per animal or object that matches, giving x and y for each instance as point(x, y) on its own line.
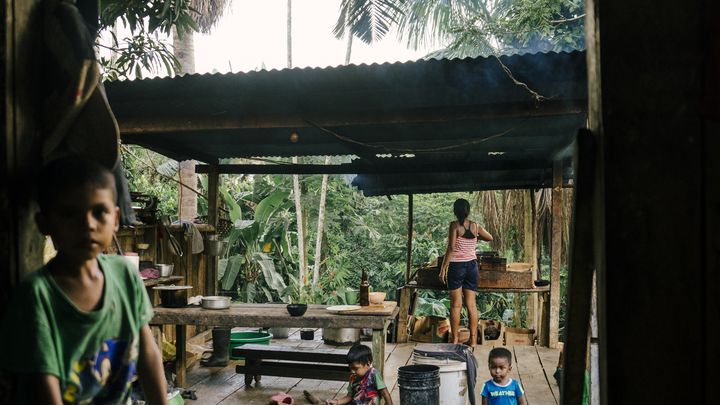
point(453, 379)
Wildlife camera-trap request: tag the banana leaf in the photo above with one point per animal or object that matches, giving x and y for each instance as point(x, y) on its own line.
point(233, 269)
point(273, 279)
point(222, 266)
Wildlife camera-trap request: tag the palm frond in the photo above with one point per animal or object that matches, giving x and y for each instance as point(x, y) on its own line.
point(207, 13)
point(369, 20)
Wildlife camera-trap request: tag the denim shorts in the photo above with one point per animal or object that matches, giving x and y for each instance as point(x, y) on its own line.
point(463, 274)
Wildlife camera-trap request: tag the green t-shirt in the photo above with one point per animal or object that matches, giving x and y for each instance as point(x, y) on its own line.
point(93, 354)
point(365, 390)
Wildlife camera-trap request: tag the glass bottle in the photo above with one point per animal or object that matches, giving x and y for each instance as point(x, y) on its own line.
point(364, 290)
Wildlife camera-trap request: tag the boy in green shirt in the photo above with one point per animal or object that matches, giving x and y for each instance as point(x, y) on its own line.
point(76, 330)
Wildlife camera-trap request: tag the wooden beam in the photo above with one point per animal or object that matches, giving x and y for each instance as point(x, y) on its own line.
point(408, 264)
point(213, 209)
point(529, 255)
point(581, 271)
point(555, 255)
point(244, 120)
point(380, 166)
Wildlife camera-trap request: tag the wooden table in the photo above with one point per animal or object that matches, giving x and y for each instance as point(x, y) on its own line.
point(539, 323)
point(270, 315)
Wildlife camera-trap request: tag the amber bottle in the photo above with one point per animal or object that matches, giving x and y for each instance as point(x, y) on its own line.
point(364, 290)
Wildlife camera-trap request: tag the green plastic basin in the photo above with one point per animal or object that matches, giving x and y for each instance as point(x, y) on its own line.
point(243, 338)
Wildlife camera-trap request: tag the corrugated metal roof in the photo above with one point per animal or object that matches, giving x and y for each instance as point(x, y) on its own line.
point(468, 110)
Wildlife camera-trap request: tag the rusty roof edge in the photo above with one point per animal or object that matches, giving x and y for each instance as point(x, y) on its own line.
point(504, 58)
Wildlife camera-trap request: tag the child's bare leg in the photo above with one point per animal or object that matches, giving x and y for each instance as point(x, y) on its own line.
point(455, 310)
point(472, 315)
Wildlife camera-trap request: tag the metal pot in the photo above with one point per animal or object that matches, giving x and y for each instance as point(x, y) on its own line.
point(215, 302)
point(214, 247)
point(165, 269)
point(173, 296)
point(341, 336)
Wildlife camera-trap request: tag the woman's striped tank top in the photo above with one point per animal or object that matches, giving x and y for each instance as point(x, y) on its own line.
point(464, 249)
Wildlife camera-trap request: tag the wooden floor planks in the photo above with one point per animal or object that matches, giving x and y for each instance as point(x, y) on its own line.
point(533, 367)
point(532, 376)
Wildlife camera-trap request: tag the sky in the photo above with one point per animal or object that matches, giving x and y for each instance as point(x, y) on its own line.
point(252, 35)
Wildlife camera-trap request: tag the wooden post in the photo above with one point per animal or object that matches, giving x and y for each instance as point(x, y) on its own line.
point(180, 355)
point(529, 252)
point(213, 208)
point(408, 264)
point(378, 348)
point(555, 255)
point(403, 315)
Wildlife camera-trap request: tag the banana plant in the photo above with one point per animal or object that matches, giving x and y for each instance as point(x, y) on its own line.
point(250, 262)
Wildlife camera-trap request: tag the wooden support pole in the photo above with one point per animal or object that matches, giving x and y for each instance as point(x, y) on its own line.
point(180, 355)
point(408, 264)
point(378, 348)
point(529, 256)
point(213, 209)
point(555, 255)
point(582, 269)
point(404, 314)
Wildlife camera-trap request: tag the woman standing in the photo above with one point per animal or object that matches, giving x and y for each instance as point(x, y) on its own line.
point(460, 267)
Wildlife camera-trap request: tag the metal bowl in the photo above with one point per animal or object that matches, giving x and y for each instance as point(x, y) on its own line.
point(173, 296)
point(215, 302)
point(165, 269)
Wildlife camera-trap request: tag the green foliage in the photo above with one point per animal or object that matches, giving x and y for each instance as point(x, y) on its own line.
point(143, 50)
point(470, 28)
point(432, 307)
point(141, 168)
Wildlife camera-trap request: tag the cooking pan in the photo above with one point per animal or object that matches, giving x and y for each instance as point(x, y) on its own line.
point(215, 302)
point(173, 296)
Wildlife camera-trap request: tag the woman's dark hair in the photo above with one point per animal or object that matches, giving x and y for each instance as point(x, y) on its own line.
point(461, 208)
point(360, 353)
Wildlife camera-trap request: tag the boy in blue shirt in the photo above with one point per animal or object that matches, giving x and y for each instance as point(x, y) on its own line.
point(78, 327)
point(501, 389)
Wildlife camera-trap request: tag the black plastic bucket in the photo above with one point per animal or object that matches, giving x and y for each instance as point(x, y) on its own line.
point(419, 384)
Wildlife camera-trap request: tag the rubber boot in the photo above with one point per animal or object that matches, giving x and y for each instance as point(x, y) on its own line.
point(221, 349)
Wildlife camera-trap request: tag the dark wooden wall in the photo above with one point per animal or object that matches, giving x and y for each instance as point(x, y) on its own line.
point(653, 103)
point(20, 242)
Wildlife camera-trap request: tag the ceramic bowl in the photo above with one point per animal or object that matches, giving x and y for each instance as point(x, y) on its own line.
point(377, 298)
point(296, 309)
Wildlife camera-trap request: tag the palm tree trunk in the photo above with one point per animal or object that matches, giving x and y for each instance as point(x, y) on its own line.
point(289, 34)
point(184, 51)
point(348, 50)
point(323, 191)
point(321, 226)
point(302, 276)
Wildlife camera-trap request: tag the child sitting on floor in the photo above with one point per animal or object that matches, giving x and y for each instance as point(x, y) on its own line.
point(501, 389)
point(365, 384)
point(78, 327)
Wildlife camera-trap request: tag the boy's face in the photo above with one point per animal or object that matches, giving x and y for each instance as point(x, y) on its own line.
point(81, 221)
point(360, 368)
point(500, 368)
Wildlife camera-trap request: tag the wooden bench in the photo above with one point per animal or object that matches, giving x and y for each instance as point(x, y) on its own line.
point(296, 362)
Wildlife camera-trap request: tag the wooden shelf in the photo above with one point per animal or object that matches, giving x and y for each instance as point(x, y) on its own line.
point(162, 280)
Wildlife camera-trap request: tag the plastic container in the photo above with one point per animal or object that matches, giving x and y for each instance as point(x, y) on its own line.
point(419, 384)
point(453, 378)
point(241, 338)
point(134, 259)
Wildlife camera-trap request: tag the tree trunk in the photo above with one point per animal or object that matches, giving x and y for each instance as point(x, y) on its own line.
point(289, 34)
point(321, 225)
point(302, 276)
point(184, 51)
